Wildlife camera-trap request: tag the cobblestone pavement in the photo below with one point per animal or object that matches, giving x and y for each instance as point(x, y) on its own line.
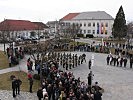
point(7, 95)
point(116, 81)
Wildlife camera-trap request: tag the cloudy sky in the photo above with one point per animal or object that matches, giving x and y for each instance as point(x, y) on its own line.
point(49, 10)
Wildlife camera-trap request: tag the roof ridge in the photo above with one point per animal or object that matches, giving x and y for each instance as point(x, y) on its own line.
point(16, 20)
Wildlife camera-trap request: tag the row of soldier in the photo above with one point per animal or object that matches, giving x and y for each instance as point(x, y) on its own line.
point(68, 60)
point(119, 61)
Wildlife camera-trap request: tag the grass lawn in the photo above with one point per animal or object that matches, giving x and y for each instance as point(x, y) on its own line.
point(6, 83)
point(3, 60)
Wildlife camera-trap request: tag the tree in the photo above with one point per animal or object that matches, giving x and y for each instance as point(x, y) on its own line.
point(5, 32)
point(119, 27)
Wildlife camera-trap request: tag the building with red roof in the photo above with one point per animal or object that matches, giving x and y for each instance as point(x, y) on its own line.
point(69, 16)
point(96, 23)
point(15, 28)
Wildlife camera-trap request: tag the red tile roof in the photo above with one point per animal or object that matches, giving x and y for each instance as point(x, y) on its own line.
point(69, 16)
point(41, 25)
point(17, 25)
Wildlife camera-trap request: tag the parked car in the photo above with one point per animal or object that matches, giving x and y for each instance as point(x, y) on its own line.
point(46, 37)
point(37, 38)
point(33, 38)
point(18, 39)
point(26, 38)
point(41, 36)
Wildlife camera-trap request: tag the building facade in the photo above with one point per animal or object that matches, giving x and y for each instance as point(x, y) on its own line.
point(21, 28)
point(53, 26)
point(98, 23)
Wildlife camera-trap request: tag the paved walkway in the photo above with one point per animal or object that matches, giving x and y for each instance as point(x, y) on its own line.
point(116, 81)
point(21, 66)
point(7, 95)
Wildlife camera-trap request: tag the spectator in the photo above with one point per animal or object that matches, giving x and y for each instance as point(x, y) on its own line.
point(40, 94)
point(14, 87)
point(18, 83)
point(10, 62)
point(31, 84)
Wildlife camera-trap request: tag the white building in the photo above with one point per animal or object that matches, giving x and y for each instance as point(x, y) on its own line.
point(53, 26)
point(98, 23)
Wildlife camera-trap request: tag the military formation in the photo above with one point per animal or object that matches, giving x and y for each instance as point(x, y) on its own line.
point(67, 60)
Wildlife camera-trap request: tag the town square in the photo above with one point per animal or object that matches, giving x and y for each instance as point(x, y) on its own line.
point(80, 55)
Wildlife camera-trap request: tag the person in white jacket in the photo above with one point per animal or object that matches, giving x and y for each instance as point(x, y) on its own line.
point(45, 94)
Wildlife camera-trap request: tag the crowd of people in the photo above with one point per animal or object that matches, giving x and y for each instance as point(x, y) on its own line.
point(62, 85)
point(86, 47)
point(58, 84)
point(14, 54)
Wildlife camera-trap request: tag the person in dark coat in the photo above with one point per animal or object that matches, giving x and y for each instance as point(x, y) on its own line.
point(115, 60)
point(49, 90)
point(107, 59)
point(14, 87)
point(131, 62)
point(31, 84)
point(18, 83)
point(89, 64)
point(40, 93)
point(125, 62)
point(97, 95)
point(90, 78)
point(121, 62)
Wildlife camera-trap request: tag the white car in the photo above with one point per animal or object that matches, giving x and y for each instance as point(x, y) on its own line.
point(18, 39)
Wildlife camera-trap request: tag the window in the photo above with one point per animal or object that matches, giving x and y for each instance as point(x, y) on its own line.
point(89, 31)
point(101, 24)
point(84, 24)
point(13, 34)
point(77, 24)
point(97, 31)
point(106, 24)
point(106, 32)
point(97, 24)
point(98, 28)
point(66, 24)
point(81, 31)
point(63, 24)
point(73, 24)
point(84, 31)
point(89, 24)
point(93, 31)
point(93, 24)
point(80, 24)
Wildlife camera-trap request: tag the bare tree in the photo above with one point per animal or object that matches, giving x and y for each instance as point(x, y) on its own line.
point(5, 32)
point(130, 29)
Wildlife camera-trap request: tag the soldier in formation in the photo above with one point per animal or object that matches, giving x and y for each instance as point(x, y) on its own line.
point(68, 60)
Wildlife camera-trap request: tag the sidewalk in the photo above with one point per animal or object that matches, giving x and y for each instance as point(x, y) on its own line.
point(21, 66)
point(9, 70)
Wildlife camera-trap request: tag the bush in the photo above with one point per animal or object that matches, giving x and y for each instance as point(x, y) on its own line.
point(12, 77)
point(89, 36)
point(80, 35)
point(36, 77)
